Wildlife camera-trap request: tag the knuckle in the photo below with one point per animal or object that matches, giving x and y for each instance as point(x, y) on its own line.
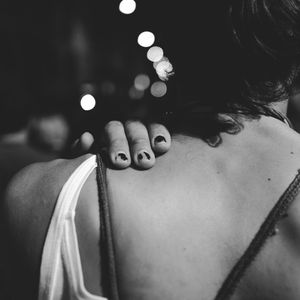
point(140, 142)
point(118, 143)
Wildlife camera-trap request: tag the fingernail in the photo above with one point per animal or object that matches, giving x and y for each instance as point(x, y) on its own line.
point(160, 139)
point(143, 155)
point(121, 156)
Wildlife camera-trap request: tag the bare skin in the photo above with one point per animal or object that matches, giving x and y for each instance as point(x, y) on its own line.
point(180, 226)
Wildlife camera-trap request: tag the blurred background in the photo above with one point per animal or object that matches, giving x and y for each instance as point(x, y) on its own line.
point(79, 60)
point(70, 66)
point(67, 67)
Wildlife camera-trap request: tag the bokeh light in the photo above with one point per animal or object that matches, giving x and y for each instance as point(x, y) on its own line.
point(141, 82)
point(135, 94)
point(158, 89)
point(164, 58)
point(146, 39)
point(88, 102)
point(87, 88)
point(107, 88)
point(127, 7)
point(164, 69)
point(155, 54)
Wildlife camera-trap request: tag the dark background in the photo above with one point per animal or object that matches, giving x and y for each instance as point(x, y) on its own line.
point(53, 52)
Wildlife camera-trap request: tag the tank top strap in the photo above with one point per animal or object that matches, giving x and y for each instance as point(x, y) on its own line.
point(107, 254)
point(265, 231)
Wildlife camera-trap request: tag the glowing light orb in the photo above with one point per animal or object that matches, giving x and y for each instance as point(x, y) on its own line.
point(146, 39)
point(141, 82)
point(87, 102)
point(87, 88)
point(127, 7)
point(155, 54)
point(135, 94)
point(164, 58)
point(164, 69)
point(158, 89)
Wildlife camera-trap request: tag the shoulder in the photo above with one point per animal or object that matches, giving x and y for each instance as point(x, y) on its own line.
point(167, 176)
point(37, 180)
point(27, 208)
point(31, 196)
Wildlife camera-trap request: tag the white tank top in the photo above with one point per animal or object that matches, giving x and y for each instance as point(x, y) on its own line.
point(61, 276)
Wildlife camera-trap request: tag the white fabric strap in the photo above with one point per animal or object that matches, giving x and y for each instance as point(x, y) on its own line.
point(61, 269)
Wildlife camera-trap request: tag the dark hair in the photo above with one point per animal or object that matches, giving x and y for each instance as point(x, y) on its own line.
point(266, 35)
point(231, 55)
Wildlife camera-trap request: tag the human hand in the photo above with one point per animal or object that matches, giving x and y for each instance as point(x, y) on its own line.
point(128, 143)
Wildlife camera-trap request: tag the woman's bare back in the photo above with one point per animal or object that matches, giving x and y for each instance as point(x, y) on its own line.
point(184, 223)
point(180, 227)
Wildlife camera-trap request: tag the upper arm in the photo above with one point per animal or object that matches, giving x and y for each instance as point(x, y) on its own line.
point(30, 200)
point(16, 203)
point(20, 204)
point(28, 204)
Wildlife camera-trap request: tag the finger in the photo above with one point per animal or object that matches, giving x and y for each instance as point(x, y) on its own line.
point(86, 141)
point(83, 144)
point(160, 138)
point(140, 148)
point(116, 144)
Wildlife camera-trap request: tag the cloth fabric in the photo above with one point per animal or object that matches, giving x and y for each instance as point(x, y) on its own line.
point(61, 275)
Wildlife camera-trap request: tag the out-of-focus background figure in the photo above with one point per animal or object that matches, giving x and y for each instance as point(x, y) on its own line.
point(49, 132)
point(40, 138)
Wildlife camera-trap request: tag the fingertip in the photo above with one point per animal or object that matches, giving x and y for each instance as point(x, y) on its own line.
point(120, 159)
point(161, 143)
point(144, 159)
point(86, 140)
point(160, 138)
